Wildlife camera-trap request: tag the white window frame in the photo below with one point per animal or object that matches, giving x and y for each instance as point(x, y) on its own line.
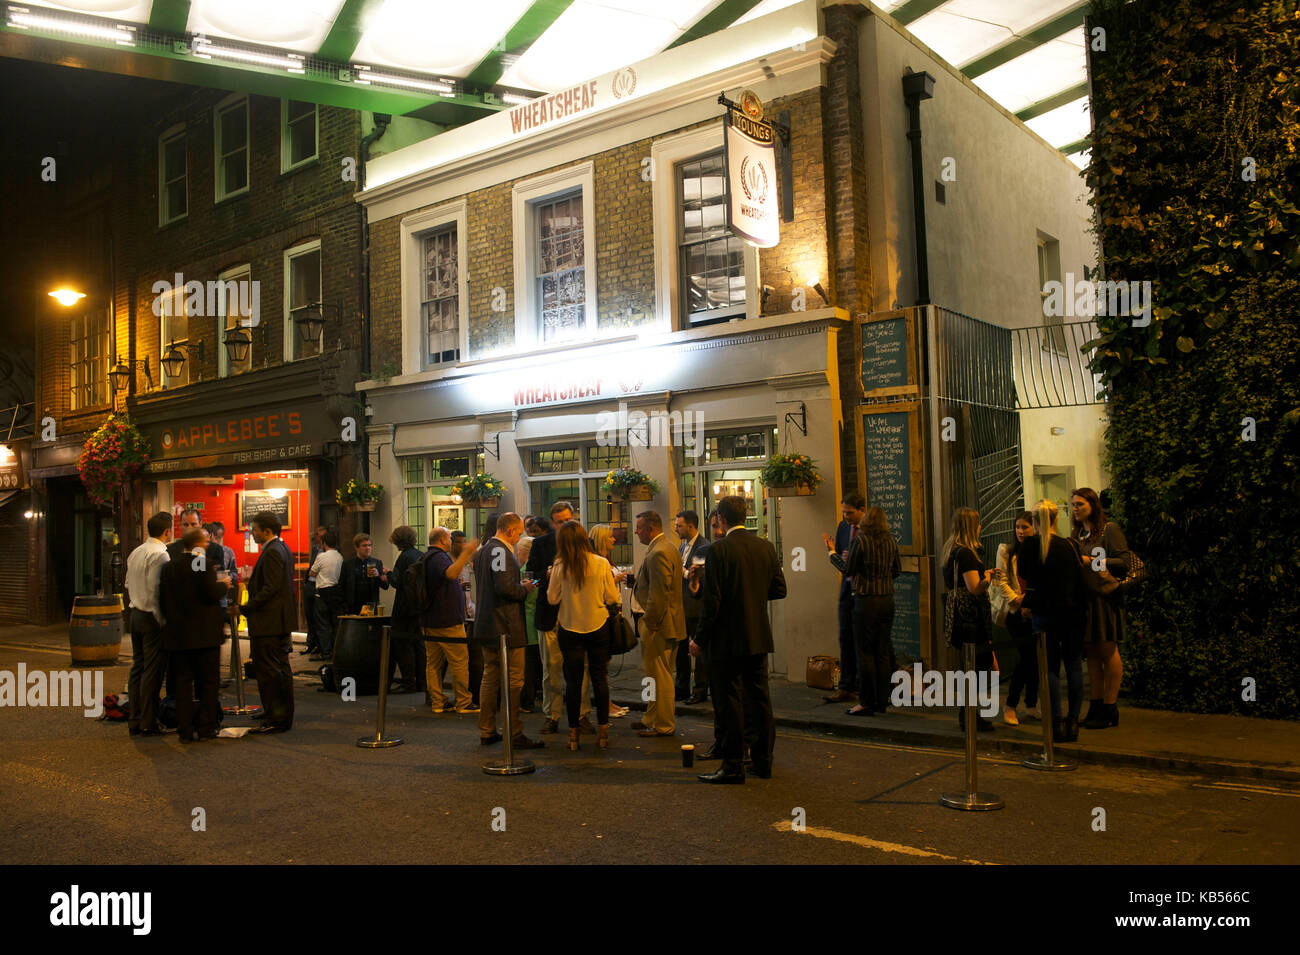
point(524, 198)
point(174, 301)
point(413, 229)
point(290, 331)
point(286, 139)
point(665, 155)
point(172, 133)
point(1049, 269)
point(225, 106)
point(233, 274)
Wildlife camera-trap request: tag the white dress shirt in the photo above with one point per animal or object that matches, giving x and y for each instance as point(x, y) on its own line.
point(143, 569)
point(326, 568)
point(583, 611)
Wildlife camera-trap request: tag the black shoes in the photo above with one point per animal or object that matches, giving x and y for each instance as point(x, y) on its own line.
point(1101, 716)
point(710, 753)
point(523, 742)
point(489, 740)
point(723, 775)
point(698, 697)
point(1066, 730)
point(762, 772)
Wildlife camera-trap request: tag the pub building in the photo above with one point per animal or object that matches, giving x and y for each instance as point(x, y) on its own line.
point(567, 287)
point(221, 310)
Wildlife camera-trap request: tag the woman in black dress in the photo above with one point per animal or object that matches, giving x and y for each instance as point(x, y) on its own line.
point(1101, 539)
point(962, 566)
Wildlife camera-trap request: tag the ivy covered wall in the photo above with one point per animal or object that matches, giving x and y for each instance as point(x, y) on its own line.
point(1196, 182)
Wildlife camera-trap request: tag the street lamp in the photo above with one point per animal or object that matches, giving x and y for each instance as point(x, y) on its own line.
point(312, 320)
point(238, 342)
point(173, 361)
point(121, 373)
point(67, 297)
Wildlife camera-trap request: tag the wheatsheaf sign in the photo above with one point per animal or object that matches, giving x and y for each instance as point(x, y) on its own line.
point(750, 150)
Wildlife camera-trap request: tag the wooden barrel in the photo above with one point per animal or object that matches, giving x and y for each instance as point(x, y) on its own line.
point(356, 651)
point(95, 630)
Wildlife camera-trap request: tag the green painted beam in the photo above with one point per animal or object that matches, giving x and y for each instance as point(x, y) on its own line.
point(535, 21)
point(914, 10)
point(1020, 45)
point(346, 32)
point(1078, 146)
point(719, 18)
point(1055, 101)
point(89, 54)
point(169, 16)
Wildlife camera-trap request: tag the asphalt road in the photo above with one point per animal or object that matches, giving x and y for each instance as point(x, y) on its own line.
point(77, 791)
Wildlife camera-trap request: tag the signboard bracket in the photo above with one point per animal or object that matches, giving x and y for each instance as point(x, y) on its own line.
point(802, 421)
point(482, 446)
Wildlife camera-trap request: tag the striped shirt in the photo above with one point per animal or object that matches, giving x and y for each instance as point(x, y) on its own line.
point(873, 564)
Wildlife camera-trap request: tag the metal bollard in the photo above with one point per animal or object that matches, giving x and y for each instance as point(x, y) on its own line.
point(972, 798)
point(1047, 758)
point(509, 767)
point(379, 741)
point(238, 664)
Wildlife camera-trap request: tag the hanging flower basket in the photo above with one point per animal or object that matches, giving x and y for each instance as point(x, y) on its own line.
point(790, 475)
point(114, 456)
point(629, 484)
point(800, 489)
point(359, 495)
point(481, 490)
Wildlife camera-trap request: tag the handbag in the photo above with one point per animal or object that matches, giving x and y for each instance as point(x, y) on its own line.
point(622, 637)
point(962, 620)
point(823, 672)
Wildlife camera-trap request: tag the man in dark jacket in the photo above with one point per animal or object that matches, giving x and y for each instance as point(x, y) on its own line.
point(271, 612)
point(404, 634)
point(853, 507)
point(692, 544)
point(742, 574)
point(190, 593)
point(442, 622)
point(499, 601)
point(363, 576)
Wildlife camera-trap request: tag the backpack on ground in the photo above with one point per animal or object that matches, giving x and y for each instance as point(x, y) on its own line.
point(116, 709)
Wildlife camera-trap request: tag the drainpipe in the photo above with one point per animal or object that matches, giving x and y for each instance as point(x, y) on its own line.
point(916, 87)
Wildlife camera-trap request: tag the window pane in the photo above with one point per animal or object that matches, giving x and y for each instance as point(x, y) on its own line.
point(174, 159)
point(233, 129)
point(176, 204)
point(302, 140)
point(606, 458)
point(414, 470)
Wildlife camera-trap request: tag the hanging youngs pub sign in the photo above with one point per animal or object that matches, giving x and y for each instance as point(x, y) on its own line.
point(749, 155)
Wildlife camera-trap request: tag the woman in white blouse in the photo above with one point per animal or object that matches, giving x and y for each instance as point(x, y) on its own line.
point(582, 584)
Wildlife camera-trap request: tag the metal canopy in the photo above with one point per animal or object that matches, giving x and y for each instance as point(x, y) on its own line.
point(454, 61)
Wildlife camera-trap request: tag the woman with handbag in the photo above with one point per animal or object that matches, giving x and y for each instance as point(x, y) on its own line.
point(582, 585)
point(1098, 537)
point(968, 617)
point(1006, 596)
point(1053, 598)
point(872, 565)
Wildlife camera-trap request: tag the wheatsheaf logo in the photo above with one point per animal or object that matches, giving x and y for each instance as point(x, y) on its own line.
point(103, 908)
point(624, 83)
point(83, 688)
point(753, 179)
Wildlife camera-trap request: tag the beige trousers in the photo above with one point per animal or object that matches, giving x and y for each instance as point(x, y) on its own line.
point(659, 658)
point(456, 656)
point(489, 695)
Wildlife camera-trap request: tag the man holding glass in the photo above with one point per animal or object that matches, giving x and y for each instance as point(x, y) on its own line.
point(363, 576)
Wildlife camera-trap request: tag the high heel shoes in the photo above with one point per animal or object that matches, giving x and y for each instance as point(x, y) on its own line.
point(602, 736)
point(573, 738)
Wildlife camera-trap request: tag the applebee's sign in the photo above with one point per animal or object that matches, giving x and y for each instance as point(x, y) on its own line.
point(750, 151)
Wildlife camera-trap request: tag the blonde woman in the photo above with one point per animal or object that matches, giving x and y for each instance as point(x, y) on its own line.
point(582, 586)
point(1007, 579)
point(963, 567)
point(1053, 598)
point(602, 543)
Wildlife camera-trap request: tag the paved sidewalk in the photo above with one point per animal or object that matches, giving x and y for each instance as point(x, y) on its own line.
point(1229, 746)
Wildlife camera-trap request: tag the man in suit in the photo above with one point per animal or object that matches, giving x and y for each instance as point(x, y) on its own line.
point(500, 610)
point(191, 590)
point(663, 622)
point(271, 612)
point(693, 544)
point(404, 633)
point(741, 576)
point(363, 576)
point(852, 507)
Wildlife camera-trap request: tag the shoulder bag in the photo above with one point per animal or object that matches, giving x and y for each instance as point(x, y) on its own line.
point(622, 637)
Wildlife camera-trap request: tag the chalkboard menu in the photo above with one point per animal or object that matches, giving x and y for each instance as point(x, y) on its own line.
point(884, 354)
point(887, 450)
point(906, 633)
point(250, 502)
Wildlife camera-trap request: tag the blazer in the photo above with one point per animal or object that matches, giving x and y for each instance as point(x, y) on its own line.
point(844, 538)
point(272, 609)
point(658, 591)
point(403, 614)
point(1052, 586)
point(742, 575)
point(191, 605)
point(500, 597)
point(690, 604)
point(540, 559)
point(358, 588)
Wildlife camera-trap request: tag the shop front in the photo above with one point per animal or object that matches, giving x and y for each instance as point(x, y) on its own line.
point(699, 411)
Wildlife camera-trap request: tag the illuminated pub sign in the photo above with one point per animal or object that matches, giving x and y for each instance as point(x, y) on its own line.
point(252, 436)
